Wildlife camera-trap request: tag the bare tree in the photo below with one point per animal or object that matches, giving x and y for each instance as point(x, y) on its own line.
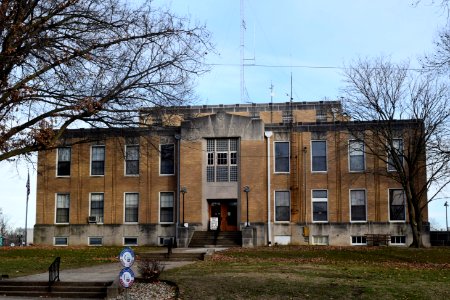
point(408, 130)
point(94, 62)
point(4, 225)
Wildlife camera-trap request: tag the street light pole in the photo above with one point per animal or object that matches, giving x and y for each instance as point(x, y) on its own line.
point(446, 217)
point(183, 191)
point(247, 190)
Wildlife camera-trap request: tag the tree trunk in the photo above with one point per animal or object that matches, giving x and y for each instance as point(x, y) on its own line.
point(415, 220)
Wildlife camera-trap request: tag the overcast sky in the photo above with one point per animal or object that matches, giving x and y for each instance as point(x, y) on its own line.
point(310, 39)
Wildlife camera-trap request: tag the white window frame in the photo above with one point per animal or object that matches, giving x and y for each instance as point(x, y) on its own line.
point(104, 160)
point(275, 206)
point(275, 157)
point(313, 200)
point(395, 243)
point(315, 238)
point(349, 156)
point(357, 243)
point(95, 237)
point(90, 203)
point(365, 205)
point(57, 161)
point(326, 156)
point(173, 207)
point(389, 206)
point(125, 207)
point(56, 209)
point(393, 169)
point(138, 160)
point(61, 237)
point(160, 159)
point(130, 244)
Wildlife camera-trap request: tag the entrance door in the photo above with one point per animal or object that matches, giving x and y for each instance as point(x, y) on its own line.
point(226, 213)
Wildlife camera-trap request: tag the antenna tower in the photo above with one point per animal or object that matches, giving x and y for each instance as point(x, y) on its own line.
point(243, 28)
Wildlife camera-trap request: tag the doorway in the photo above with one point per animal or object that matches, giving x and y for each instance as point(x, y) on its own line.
point(223, 215)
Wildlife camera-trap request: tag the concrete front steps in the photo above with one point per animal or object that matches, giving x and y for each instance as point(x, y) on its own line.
point(216, 239)
point(80, 290)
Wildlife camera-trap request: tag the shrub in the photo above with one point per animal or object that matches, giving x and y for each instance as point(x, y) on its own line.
point(150, 269)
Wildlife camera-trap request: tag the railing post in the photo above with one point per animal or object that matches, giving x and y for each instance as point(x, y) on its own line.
point(53, 272)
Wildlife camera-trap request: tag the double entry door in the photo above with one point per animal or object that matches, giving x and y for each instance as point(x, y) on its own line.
point(223, 215)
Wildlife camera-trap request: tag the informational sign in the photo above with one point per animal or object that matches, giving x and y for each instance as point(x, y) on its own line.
point(127, 257)
point(126, 277)
point(214, 223)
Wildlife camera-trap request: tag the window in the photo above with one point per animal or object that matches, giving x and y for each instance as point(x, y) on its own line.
point(319, 156)
point(358, 205)
point(356, 156)
point(131, 207)
point(132, 160)
point(166, 207)
point(359, 240)
point(61, 241)
point(62, 208)
point(98, 160)
point(95, 241)
point(281, 157)
point(398, 240)
point(397, 207)
point(130, 241)
point(222, 160)
point(97, 205)
point(320, 205)
point(320, 240)
point(167, 163)
point(282, 206)
point(64, 155)
point(398, 153)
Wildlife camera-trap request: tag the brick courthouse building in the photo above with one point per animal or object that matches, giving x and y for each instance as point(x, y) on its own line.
point(307, 180)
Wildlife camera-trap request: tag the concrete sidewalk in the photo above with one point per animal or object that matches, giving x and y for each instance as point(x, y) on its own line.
point(104, 272)
point(109, 272)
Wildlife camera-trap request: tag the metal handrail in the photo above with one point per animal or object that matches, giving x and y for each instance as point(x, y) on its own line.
point(53, 271)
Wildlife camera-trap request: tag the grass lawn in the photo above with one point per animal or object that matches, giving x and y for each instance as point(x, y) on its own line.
point(317, 273)
point(291, 272)
point(20, 261)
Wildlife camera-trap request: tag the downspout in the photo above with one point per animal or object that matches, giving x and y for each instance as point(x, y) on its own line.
point(178, 139)
point(268, 134)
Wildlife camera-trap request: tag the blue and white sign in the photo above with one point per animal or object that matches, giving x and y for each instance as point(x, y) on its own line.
point(126, 277)
point(127, 257)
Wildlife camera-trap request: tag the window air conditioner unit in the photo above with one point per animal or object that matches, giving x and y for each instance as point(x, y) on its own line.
point(92, 219)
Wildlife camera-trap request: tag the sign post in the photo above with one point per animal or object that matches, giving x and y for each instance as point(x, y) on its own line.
point(126, 275)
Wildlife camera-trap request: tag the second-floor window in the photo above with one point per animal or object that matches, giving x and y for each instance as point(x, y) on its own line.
point(319, 156)
point(98, 160)
point(356, 156)
point(167, 159)
point(281, 157)
point(222, 160)
point(132, 160)
point(64, 156)
point(62, 208)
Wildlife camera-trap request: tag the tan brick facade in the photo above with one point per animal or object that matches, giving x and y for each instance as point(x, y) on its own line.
point(216, 178)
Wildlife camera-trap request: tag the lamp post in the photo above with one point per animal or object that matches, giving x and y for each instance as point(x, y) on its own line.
point(246, 190)
point(183, 191)
point(446, 218)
